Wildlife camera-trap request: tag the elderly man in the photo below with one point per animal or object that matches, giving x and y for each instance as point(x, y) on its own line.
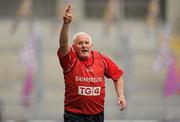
point(84, 73)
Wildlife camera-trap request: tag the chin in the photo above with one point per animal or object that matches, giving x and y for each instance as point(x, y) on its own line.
point(84, 56)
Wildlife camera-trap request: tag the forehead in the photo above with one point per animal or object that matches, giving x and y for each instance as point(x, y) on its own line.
point(82, 37)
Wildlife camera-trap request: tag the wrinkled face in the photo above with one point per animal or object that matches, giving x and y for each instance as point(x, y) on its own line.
point(83, 46)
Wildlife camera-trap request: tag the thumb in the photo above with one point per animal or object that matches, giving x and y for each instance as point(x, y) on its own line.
point(118, 101)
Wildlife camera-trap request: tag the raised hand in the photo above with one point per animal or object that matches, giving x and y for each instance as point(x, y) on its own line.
point(67, 15)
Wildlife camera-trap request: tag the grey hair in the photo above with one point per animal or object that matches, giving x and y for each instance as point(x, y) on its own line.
point(81, 33)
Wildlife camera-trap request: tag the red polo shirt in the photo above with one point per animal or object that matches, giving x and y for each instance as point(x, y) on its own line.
point(85, 82)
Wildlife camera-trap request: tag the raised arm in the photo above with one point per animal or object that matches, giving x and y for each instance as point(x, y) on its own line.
point(63, 40)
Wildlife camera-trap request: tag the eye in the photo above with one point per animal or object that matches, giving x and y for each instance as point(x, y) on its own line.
point(80, 43)
point(87, 42)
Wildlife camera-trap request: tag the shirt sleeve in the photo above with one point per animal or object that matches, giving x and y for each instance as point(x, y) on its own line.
point(111, 69)
point(66, 61)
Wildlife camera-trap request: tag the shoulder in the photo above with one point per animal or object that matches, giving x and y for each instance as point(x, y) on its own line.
point(71, 53)
point(104, 57)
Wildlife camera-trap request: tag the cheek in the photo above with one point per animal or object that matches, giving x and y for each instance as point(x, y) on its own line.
point(76, 48)
point(90, 47)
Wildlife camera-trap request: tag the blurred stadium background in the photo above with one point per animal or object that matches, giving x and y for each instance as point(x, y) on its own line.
point(142, 36)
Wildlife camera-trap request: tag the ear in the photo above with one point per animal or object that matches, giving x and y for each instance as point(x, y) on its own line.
point(92, 45)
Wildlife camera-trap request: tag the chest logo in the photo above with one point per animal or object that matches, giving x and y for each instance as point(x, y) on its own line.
point(89, 91)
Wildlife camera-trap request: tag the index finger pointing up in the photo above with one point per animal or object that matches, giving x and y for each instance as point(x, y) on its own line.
point(68, 10)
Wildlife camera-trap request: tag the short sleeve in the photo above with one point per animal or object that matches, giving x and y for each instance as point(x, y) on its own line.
point(67, 60)
point(112, 70)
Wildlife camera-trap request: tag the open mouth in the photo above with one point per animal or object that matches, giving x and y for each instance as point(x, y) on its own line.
point(84, 50)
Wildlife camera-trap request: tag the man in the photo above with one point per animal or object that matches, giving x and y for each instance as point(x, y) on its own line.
point(84, 70)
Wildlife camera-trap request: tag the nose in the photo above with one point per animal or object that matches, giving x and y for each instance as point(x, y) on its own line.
point(83, 44)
